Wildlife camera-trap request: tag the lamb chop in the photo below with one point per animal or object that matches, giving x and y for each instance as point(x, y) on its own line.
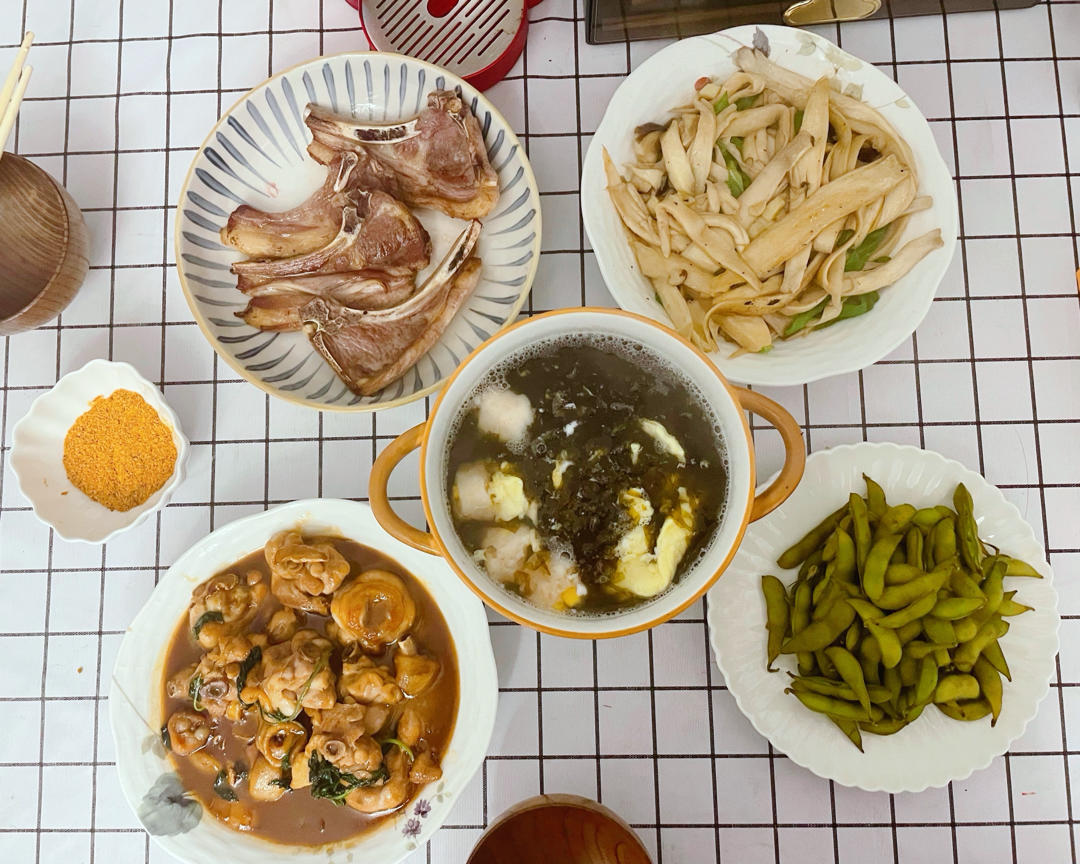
point(371, 349)
point(303, 229)
point(438, 159)
point(380, 233)
point(276, 305)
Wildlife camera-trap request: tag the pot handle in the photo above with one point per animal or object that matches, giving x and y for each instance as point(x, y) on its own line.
point(384, 514)
point(794, 450)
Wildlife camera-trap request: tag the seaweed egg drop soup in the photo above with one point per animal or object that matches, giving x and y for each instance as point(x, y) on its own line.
point(586, 475)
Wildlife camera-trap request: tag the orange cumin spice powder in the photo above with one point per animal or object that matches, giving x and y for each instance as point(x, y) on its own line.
point(119, 452)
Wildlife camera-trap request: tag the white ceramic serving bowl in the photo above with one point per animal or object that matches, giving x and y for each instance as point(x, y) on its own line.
point(135, 708)
point(37, 453)
point(256, 155)
point(934, 750)
point(665, 80)
point(728, 403)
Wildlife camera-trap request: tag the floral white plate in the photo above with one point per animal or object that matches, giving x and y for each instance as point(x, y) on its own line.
point(933, 750)
point(177, 823)
point(665, 80)
point(256, 155)
point(37, 454)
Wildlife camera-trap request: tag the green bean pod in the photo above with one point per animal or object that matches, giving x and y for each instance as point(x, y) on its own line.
point(846, 563)
point(820, 634)
point(912, 612)
point(817, 535)
point(1016, 567)
point(811, 566)
point(913, 547)
point(825, 666)
point(896, 520)
point(906, 632)
point(965, 629)
point(955, 608)
point(853, 635)
point(974, 709)
point(865, 608)
point(996, 658)
point(928, 517)
point(851, 672)
point(885, 726)
point(849, 728)
point(898, 574)
point(888, 641)
point(777, 616)
point(835, 707)
point(919, 649)
point(860, 529)
point(943, 540)
point(939, 630)
point(927, 681)
point(966, 655)
point(956, 688)
point(967, 532)
point(1010, 607)
point(876, 504)
point(898, 596)
point(800, 618)
point(990, 683)
point(994, 586)
point(963, 585)
point(877, 561)
point(909, 669)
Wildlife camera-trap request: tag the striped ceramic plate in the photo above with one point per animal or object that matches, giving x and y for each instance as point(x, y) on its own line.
point(256, 155)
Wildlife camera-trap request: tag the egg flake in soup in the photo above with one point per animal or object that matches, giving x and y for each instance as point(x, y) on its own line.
point(586, 475)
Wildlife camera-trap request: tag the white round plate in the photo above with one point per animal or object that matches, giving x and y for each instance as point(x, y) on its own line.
point(256, 155)
point(150, 784)
point(665, 80)
point(37, 454)
point(934, 750)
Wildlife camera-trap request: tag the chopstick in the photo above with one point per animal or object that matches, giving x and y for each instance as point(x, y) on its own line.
point(14, 88)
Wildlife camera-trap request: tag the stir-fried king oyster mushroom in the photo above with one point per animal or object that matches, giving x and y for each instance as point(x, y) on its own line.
point(770, 206)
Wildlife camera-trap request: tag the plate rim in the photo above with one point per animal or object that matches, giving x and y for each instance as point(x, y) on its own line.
point(196, 312)
point(1015, 516)
point(310, 508)
point(762, 377)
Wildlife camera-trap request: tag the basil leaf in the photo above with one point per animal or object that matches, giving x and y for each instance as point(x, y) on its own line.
point(281, 716)
point(859, 255)
point(842, 236)
point(746, 102)
point(333, 785)
point(194, 686)
point(249, 663)
point(803, 318)
point(206, 618)
point(397, 742)
point(285, 780)
point(222, 788)
point(721, 103)
point(737, 179)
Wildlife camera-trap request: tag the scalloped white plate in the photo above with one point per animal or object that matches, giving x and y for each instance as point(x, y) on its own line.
point(147, 778)
point(665, 80)
point(37, 454)
point(934, 750)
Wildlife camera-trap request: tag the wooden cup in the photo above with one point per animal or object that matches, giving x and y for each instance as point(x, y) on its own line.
point(43, 246)
point(567, 829)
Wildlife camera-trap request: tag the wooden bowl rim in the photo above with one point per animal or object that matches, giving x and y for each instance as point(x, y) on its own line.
point(557, 799)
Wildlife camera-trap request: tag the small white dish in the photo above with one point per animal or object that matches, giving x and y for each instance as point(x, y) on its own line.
point(37, 453)
point(665, 80)
point(934, 750)
point(147, 778)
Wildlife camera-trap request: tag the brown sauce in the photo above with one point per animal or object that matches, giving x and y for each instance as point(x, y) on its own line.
point(297, 817)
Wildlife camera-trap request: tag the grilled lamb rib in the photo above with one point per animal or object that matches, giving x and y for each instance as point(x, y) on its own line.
point(438, 159)
point(276, 305)
point(304, 228)
point(371, 349)
point(381, 235)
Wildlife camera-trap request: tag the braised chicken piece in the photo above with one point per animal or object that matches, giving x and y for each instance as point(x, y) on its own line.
point(425, 769)
point(265, 782)
point(224, 605)
point(303, 575)
point(340, 736)
point(283, 624)
point(363, 681)
point(276, 741)
point(388, 795)
point(213, 685)
point(371, 349)
point(438, 159)
point(414, 671)
point(294, 675)
point(188, 732)
point(374, 609)
point(305, 228)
